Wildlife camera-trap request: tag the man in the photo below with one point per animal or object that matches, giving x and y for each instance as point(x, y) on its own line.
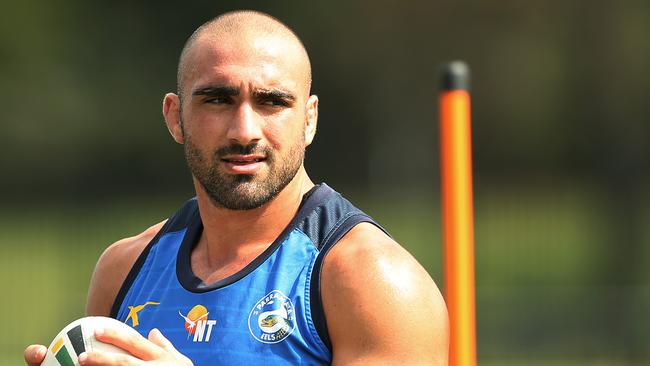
point(262, 266)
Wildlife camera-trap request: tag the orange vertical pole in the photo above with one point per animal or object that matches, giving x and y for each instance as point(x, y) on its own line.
point(457, 213)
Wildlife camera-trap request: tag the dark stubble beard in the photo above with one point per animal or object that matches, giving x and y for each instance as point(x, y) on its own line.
point(243, 191)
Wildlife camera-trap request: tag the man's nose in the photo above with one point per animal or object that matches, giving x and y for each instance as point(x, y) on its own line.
point(246, 125)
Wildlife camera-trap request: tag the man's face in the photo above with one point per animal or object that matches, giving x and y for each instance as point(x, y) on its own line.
point(243, 118)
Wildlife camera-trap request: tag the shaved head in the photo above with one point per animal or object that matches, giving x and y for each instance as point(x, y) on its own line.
point(243, 109)
point(241, 27)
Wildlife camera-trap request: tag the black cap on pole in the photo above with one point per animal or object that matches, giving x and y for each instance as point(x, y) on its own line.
point(455, 76)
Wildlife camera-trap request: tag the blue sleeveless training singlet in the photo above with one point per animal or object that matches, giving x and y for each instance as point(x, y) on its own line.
point(269, 313)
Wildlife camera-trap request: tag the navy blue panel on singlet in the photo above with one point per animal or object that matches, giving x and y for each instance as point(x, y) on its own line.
point(270, 311)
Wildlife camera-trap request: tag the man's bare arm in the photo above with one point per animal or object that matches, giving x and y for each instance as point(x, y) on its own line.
point(111, 271)
point(381, 306)
point(112, 268)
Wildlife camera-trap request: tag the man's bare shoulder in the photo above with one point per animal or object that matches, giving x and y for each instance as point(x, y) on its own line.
point(381, 305)
point(112, 268)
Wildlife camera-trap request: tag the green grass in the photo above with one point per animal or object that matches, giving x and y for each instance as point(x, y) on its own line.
point(47, 258)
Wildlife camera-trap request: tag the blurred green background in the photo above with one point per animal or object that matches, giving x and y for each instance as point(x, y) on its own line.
point(560, 128)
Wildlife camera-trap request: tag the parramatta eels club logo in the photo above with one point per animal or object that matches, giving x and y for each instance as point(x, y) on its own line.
point(197, 324)
point(272, 319)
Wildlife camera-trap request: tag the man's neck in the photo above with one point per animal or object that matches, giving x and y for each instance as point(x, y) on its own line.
point(233, 238)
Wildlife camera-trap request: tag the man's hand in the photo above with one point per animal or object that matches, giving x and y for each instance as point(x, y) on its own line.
point(35, 354)
point(157, 350)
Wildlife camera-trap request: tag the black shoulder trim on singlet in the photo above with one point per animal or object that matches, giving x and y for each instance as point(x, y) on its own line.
point(192, 283)
point(177, 222)
point(328, 225)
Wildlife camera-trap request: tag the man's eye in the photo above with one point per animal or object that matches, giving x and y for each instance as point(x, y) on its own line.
point(274, 102)
point(218, 100)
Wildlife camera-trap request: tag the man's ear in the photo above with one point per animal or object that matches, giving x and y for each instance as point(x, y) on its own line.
point(172, 113)
point(312, 119)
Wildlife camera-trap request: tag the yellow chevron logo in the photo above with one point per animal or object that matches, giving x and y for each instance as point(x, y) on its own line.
point(134, 310)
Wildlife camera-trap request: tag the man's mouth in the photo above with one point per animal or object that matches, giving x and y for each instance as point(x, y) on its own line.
point(243, 164)
point(243, 159)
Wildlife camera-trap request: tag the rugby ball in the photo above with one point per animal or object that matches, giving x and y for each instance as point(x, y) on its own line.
point(78, 337)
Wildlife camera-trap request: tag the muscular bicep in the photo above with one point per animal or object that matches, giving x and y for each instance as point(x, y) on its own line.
point(112, 268)
point(381, 306)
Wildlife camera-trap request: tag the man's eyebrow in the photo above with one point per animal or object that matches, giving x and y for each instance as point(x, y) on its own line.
point(274, 93)
point(217, 90)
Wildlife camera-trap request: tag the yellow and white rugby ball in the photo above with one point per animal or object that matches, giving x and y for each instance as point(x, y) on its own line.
point(78, 337)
